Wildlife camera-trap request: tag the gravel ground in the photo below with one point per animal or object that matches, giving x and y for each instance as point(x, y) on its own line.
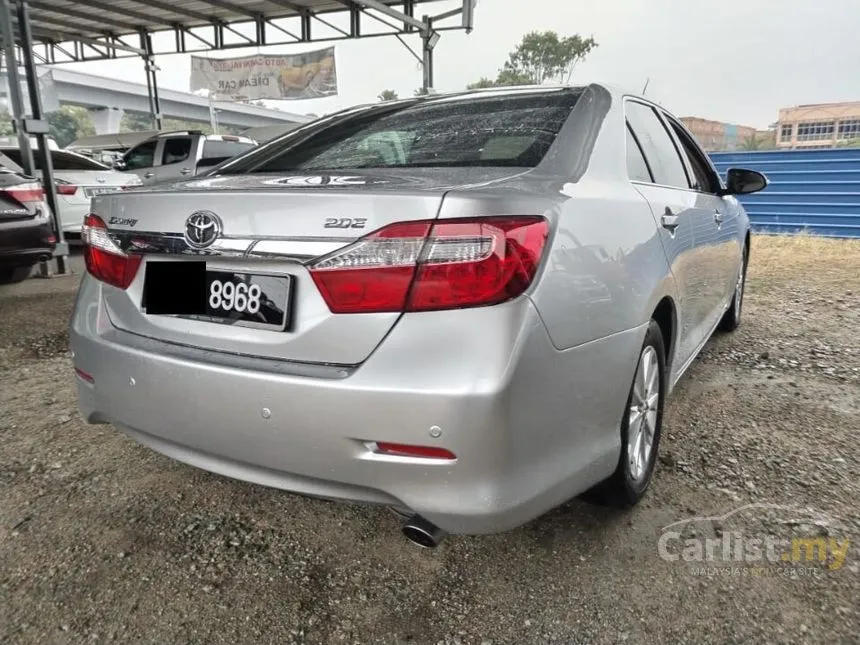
point(105, 541)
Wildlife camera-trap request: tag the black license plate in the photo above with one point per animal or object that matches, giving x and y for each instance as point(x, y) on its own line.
point(192, 290)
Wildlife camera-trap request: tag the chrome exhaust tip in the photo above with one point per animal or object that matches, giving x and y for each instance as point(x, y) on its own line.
point(423, 533)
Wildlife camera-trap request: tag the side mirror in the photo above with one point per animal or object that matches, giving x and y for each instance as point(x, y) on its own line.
point(119, 164)
point(740, 181)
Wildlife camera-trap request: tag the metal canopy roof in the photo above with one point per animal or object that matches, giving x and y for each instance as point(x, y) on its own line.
point(78, 30)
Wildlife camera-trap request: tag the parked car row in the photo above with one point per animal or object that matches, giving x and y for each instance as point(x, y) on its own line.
point(26, 230)
point(77, 180)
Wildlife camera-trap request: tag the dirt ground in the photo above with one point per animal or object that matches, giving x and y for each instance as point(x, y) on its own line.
point(105, 541)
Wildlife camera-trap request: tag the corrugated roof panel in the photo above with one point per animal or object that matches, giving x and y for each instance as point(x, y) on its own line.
point(98, 18)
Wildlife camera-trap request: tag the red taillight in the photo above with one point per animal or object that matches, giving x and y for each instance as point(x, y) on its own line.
point(29, 193)
point(405, 450)
point(423, 266)
point(105, 260)
point(374, 273)
point(66, 189)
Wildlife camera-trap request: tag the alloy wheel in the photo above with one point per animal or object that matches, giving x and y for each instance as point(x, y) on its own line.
point(642, 415)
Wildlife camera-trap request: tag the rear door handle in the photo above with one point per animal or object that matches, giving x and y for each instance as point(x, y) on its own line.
point(149, 175)
point(718, 217)
point(185, 171)
point(669, 221)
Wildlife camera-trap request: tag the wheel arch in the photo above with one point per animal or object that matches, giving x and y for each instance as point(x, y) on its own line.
point(665, 315)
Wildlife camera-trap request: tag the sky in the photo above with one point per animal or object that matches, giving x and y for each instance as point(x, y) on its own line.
point(737, 61)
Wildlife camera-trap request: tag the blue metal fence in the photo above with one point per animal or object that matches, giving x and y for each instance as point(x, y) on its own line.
point(810, 190)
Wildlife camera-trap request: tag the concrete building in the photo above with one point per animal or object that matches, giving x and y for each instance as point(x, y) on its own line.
point(821, 125)
point(716, 135)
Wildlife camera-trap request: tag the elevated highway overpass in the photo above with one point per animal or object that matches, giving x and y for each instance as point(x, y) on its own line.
point(108, 98)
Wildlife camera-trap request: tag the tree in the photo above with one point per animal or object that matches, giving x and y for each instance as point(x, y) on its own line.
point(66, 124)
point(6, 128)
point(543, 56)
point(388, 95)
point(141, 121)
point(540, 56)
point(70, 123)
point(136, 122)
point(751, 143)
point(508, 77)
point(481, 83)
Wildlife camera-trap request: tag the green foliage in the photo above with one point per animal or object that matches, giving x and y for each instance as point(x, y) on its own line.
point(69, 123)
point(751, 143)
point(141, 121)
point(849, 143)
point(541, 57)
point(481, 83)
point(388, 95)
point(6, 128)
point(508, 77)
point(136, 122)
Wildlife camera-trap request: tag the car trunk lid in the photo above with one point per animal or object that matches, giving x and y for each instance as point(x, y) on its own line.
point(271, 225)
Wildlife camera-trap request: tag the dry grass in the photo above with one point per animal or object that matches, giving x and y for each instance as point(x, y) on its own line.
point(819, 260)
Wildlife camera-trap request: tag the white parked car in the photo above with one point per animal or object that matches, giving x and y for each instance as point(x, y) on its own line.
point(78, 179)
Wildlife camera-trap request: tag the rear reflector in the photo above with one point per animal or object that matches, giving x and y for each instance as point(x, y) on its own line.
point(405, 450)
point(105, 260)
point(85, 376)
point(422, 266)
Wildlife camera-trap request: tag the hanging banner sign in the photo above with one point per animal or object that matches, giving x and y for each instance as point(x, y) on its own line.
point(309, 75)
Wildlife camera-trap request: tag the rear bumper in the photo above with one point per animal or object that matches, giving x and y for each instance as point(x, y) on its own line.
point(524, 443)
point(25, 242)
point(72, 213)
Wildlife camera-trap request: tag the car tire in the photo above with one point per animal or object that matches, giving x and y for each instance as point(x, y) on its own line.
point(642, 422)
point(14, 274)
point(731, 320)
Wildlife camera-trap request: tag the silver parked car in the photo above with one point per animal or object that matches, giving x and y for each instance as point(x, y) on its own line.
point(169, 156)
point(467, 307)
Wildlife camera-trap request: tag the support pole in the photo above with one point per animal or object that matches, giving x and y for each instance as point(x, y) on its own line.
point(61, 250)
point(15, 98)
point(429, 38)
point(151, 80)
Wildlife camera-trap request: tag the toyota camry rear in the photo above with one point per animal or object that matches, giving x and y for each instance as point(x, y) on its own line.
point(350, 312)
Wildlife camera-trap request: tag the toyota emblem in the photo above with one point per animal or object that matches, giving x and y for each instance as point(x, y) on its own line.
point(202, 228)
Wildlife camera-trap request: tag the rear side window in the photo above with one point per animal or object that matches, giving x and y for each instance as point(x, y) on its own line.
point(224, 149)
point(176, 149)
point(703, 176)
point(658, 147)
point(60, 160)
point(637, 167)
point(482, 130)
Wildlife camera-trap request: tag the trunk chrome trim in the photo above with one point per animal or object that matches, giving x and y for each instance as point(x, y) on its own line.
point(264, 247)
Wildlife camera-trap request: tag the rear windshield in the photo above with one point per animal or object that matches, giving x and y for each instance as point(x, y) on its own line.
point(481, 130)
point(60, 160)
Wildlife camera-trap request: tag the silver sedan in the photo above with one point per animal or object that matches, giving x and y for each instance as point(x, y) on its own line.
point(467, 307)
